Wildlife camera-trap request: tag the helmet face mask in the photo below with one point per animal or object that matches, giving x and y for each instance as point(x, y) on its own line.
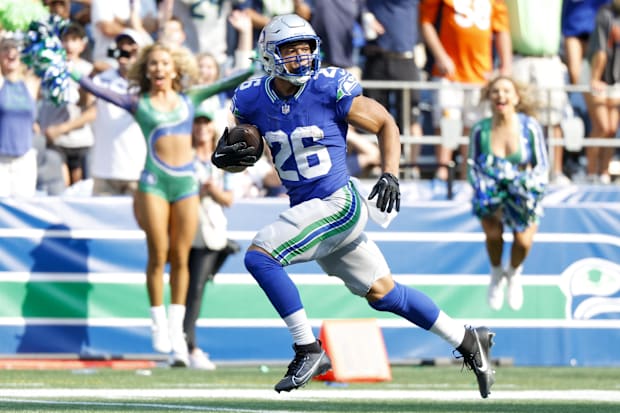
point(286, 29)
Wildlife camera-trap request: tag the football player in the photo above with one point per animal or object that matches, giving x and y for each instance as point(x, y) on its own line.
point(303, 112)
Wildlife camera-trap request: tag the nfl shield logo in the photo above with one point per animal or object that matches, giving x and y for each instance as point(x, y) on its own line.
point(286, 109)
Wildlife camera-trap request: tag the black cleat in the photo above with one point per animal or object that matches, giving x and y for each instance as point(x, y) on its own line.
point(309, 361)
point(476, 352)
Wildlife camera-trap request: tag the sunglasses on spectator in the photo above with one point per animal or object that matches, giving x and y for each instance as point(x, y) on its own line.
point(118, 53)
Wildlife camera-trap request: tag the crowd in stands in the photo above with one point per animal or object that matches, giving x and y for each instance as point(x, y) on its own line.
point(89, 146)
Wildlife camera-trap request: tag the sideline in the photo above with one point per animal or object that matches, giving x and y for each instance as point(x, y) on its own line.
point(27, 395)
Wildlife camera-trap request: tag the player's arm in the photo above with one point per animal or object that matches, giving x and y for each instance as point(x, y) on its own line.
point(232, 155)
point(369, 115)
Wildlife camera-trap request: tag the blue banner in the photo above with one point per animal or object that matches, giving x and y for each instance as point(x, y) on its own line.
point(72, 276)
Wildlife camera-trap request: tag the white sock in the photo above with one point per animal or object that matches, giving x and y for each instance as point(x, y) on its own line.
point(158, 315)
point(497, 271)
point(176, 314)
point(300, 328)
point(449, 329)
point(514, 272)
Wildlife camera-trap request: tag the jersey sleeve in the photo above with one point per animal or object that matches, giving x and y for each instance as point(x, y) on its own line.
point(499, 19)
point(245, 99)
point(347, 89)
point(429, 10)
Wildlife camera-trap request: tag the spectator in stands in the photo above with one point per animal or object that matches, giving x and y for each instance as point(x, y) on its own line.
point(508, 170)
point(211, 246)
point(119, 150)
point(390, 57)
point(259, 180)
point(167, 196)
point(110, 17)
point(204, 23)
point(80, 12)
point(18, 92)
point(601, 71)
point(335, 23)
point(50, 171)
point(244, 52)
point(77, 11)
point(209, 71)
point(172, 32)
point(460, 37)
point(261, 11)
point(61, 8)
point(363, 156)
point(578, 17)
point(535, 32)
point(67, 127)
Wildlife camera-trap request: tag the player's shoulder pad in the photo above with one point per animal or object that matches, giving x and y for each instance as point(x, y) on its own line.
point(339, 80)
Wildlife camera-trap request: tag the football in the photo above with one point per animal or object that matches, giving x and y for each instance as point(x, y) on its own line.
point(251, 136)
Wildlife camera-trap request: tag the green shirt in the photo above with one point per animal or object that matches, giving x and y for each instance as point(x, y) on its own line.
point(535, 26)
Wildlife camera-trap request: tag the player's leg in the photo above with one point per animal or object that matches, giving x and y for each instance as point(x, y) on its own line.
point(302, 234)
point(310, 359)
point(363, 268)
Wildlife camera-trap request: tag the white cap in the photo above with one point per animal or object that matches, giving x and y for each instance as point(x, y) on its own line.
point(140, 38)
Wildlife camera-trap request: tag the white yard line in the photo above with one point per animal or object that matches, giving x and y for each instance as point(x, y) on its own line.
point(35, 395)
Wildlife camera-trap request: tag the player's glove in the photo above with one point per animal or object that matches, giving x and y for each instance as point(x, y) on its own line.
point(387, 192)
point(237, 154)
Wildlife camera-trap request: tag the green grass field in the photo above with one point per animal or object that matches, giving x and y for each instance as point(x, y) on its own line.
point(250, 389)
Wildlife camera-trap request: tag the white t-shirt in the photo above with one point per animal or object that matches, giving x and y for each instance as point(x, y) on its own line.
point(120, 149)
point(109, 10)
point(205, 25)
point(52, 114)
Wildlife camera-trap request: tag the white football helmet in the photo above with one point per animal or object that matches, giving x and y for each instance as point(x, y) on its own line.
point(284, 29)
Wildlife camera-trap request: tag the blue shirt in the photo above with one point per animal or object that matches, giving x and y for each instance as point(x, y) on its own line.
point(306, 132)
point(578, 16)
point(17, 110)
point(400, 20)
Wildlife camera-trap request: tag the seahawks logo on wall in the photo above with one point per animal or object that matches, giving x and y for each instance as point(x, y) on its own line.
point(592, 289)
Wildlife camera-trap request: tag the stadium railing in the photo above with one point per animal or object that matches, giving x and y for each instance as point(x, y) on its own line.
point(574, 142)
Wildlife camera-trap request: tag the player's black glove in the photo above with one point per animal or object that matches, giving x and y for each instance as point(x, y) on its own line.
point(387, 192)
point(237, 154)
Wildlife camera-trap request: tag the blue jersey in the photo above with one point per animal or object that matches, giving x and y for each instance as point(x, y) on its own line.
point(306, 132)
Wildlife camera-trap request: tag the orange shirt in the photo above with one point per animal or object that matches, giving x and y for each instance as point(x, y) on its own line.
point(466, 33)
